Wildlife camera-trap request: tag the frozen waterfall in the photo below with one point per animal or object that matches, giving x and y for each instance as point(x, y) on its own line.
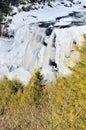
point(51, 52)
point(50, 49)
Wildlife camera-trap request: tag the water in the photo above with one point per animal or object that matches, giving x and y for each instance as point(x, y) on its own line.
point(51, 56)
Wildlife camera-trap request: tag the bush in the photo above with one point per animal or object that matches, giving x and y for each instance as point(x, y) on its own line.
point(7, 90)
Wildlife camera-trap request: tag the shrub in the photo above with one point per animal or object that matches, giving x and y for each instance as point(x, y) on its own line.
point(7, 90)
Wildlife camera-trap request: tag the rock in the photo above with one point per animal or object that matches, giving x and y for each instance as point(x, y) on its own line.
point(52, 63)
point(48, 31)
point(84, 6)
point(14, 11)
point(70, 5)
point(8, 34)
point(12, 14)
point(74, 42)
point(27, 8)
point(50, 5)
point(44, 25)
point(5, 33)
point(62, 2)
point(58, 18)
point(44, 43)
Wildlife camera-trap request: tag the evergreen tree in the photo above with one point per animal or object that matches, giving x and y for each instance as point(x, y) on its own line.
point(4, 8)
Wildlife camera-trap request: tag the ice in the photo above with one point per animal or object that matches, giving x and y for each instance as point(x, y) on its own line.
point(32, 48)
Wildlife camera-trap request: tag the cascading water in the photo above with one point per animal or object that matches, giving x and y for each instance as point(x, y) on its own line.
point(50, 49)
point(31, 58)
point(48, 52)
point(40, 52)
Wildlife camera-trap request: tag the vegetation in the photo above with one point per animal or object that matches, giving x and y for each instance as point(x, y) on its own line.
point(4, 8)
point(58, 106)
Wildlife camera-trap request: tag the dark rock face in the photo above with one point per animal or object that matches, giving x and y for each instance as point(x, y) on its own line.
point(74, 42)
point(12, 14)
point(48, 31)
point(44, 43)
point(45, 24)
point(53, 45)
point(62, 26)
point(75, 14)
point(28, 8)
point(50, 5)
point(6, 34)
point(52, 63)
point(58, 18)
point(84, 6)
point(68, 5)
point(62, 2)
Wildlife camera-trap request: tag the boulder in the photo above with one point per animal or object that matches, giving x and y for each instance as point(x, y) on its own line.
point(27, 8)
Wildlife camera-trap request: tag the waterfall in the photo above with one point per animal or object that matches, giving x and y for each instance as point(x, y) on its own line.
point(32, 48)
point(31, 58)
point(40, 52)
point(50, 53)
point(64, 45)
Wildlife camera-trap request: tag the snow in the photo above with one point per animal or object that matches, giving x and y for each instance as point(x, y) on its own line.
point(25, 52)
point(42, 14)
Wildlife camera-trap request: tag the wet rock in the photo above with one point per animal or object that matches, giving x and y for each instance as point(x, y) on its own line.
point(5, 33)
point(44, 43)
point(58, 18)
point(48, 31)
point(11, 68)
point(84, 6)
point(63, 26)
point(52, 63)
point(12, 14)
point(8, 34)
point(33, 16)
point(70, 5)
point(45, 24)
point(77, 23)
point(62, 2)
point(74, 42)
point(78, 2)
point(28, 8)
point(54, 40)
point(49, 4)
